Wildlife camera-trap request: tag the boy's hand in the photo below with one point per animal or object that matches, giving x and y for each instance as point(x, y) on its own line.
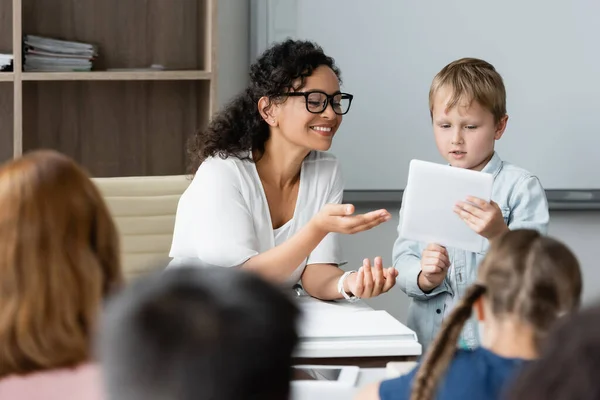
point(434, 267)
point(483, 217)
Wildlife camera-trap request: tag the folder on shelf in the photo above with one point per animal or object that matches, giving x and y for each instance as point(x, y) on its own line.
point(54, 55)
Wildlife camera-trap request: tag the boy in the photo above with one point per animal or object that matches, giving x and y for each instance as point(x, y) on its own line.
point(467, 103)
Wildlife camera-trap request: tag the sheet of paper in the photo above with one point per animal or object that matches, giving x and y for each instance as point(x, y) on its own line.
point(431, 193)
point(362, 324)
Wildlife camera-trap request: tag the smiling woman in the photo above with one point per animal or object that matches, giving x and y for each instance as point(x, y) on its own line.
point(266, 196)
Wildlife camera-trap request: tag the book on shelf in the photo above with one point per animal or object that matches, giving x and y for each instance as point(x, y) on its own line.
point(42, 54)
point(6, 62)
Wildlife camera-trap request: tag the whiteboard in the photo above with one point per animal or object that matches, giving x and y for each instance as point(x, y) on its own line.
point(390, 50)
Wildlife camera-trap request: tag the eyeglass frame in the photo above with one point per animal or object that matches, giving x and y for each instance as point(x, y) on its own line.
point(328, 100)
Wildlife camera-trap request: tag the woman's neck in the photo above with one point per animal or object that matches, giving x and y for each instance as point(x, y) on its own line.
point(281, 163)
point(510, 338)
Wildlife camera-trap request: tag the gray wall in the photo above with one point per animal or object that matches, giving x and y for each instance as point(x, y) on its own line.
point(390, 50)
point(578, 229)
point(233, 48)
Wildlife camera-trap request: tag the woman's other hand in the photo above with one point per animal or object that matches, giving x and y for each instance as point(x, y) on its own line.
point(340, 218)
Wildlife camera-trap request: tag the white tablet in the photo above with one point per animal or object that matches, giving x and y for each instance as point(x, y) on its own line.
point(328, 375)
point(310, 382)
point(428, 204)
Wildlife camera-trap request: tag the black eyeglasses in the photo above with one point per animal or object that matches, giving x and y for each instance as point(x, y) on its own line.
point(317, 101)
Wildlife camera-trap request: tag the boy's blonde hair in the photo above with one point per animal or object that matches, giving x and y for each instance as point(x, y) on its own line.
point(471, 79)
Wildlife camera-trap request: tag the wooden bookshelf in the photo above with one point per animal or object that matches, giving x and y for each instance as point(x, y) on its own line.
point(120, 119)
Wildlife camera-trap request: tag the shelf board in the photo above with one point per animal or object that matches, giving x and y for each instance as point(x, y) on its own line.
point(7, 76)
point(193, 75)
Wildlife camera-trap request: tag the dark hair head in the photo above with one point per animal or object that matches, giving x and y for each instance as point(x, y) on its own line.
point(239, 126)
point(532, 277)
point(190, 333)
point(569, 363)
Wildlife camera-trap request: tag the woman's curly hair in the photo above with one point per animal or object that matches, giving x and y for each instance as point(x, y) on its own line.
point(239, 127)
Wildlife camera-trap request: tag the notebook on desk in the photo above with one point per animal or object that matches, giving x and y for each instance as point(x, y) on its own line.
point(340, 329)
point(361, 325)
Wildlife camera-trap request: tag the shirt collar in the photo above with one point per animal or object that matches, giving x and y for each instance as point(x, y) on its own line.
point(493, 166)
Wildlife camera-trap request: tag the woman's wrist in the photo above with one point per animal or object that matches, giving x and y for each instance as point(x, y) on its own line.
point(315, 227)
point(349, 283)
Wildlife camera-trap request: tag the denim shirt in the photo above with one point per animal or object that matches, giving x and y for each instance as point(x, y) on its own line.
point(523, 203)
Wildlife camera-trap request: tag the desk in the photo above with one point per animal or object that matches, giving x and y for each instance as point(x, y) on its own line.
point(340, 334)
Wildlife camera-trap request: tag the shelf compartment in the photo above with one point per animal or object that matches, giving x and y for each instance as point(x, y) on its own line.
point(6, 121)
point(129, 33)
point(116, 128)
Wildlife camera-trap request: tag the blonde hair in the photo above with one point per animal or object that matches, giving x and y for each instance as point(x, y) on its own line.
point(471, 79)
point(59, 257)
point(524, 274)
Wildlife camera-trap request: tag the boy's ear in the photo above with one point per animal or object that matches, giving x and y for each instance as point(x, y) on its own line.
point(267, 110)
point(500, 127)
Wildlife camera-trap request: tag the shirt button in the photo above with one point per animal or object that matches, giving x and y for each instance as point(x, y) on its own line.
point(438, 311)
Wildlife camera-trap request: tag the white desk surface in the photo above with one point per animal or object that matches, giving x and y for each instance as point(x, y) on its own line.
point(340, 347)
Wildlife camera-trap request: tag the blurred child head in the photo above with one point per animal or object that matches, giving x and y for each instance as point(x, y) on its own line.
point(569, 363)
point(467, 102)
point(526, 281)
point(59, 257)
point(199, 333)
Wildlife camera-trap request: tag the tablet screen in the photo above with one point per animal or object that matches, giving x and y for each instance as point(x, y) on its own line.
point(316, 374)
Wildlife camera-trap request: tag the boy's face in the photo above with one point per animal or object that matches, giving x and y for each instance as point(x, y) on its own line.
point(464, 134)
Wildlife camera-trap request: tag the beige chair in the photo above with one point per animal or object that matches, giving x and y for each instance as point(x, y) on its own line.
point(144, 211)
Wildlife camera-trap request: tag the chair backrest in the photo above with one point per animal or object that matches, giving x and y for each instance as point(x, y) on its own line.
point(144, 211)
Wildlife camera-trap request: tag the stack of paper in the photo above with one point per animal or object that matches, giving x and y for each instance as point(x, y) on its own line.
point(343, 329)
point(361, 325)
point(52, 55)
point(6, 62)
point(323, 320)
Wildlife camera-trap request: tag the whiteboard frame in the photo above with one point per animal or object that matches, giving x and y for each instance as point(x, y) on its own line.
point(558, 200)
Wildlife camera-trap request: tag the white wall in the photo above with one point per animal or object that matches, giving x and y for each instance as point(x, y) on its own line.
point(580, 230)
point(233, 48)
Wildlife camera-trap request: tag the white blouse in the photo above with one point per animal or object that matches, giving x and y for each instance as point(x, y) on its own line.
point(223, 217)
